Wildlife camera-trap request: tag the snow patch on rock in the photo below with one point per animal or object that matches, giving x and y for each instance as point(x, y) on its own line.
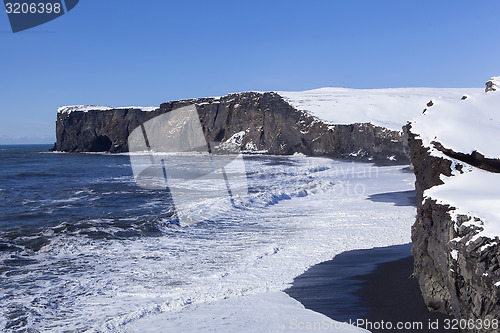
point(493, 84)
point(86, 108)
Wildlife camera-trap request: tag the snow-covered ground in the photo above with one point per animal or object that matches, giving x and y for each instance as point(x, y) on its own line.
point(390, 108)
point(475, 193)
point(465, 126)
point(86, 108)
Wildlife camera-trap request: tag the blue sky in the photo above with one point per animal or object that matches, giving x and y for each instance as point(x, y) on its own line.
point(122, 53)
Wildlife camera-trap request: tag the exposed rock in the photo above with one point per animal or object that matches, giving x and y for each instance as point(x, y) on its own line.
point(257, 122)
point(492, 84)
point(475, 158)
point(456, 270)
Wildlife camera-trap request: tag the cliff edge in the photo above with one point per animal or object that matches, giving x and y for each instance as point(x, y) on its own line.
point(256, 122)
point(363, 124)
point(456, 245)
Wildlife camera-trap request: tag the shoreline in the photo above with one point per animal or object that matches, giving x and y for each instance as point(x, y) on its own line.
point(373, 285)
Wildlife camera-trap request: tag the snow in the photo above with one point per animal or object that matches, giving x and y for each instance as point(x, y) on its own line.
point(86, 108)
point(454, 255)
point(495, 83)
point(250, 146)
point(466, 126)
point(463, 125)
point(476, 193)
point(236, 138)
point(390, 108)
point(142, 108)
point(484, 247)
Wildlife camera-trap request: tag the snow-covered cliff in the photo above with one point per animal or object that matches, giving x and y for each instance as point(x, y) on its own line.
point(456, 246)
point(257, 122)
point(346, 123)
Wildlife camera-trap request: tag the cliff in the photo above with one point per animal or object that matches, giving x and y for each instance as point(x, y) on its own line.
point(256, 122)
point(456, 245)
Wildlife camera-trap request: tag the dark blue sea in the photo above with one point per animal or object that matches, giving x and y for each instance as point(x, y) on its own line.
point(66, 192)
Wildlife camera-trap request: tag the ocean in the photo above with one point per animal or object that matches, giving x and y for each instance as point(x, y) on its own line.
point(84, 248)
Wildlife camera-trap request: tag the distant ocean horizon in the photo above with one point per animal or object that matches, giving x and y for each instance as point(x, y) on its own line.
point(82, 247)
point(26, 141)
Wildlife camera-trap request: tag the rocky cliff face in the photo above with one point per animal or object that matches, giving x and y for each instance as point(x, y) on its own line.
point(457, 266)
point(256, 122)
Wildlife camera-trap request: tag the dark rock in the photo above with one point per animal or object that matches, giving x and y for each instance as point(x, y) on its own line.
point(475, 158)
point(269, 122)
point(461, 284)
point(490, 85)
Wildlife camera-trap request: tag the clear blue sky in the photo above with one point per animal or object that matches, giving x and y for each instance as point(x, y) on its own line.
point(126, 52)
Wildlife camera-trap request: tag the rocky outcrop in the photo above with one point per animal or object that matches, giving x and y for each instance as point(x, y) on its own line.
point(257, 122)
point(492, 84)
point(457, 269)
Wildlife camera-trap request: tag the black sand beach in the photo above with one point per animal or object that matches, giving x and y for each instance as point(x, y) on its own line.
point(374, 285)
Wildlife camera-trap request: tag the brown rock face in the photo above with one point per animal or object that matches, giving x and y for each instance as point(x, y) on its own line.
point(269, 122)
point(457, 274)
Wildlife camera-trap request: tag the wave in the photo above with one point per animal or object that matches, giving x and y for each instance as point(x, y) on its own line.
point(125, 256)
point(268, 198)
point(36, 174)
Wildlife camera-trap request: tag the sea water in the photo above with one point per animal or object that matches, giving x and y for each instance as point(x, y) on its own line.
point(82, 247)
